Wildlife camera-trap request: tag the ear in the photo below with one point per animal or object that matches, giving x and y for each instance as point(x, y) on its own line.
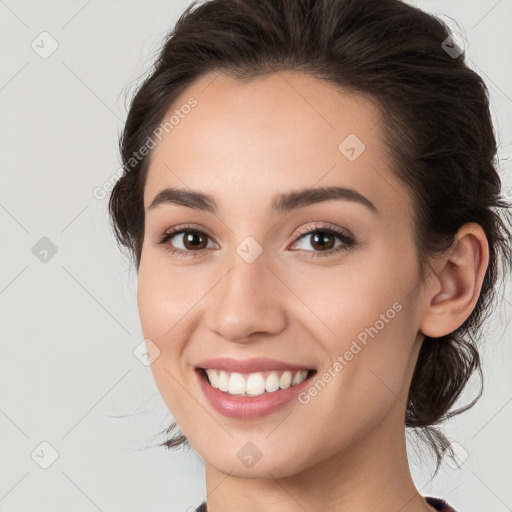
point(454, 289)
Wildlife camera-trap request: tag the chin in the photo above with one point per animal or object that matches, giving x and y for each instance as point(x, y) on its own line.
point(244, 460)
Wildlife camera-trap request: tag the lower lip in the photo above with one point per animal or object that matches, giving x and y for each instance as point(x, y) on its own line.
point(245, 407)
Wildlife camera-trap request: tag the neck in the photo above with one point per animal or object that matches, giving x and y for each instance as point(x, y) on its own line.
point(372, 474)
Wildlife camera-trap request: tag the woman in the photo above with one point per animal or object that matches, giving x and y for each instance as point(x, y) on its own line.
point(309, 195)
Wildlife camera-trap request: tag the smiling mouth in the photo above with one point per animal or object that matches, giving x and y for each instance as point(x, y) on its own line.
point(254, 383)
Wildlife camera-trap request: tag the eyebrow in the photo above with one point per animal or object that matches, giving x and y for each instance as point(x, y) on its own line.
point(282, 203)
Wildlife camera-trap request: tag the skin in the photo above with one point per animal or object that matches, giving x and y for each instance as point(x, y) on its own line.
point(242, 144)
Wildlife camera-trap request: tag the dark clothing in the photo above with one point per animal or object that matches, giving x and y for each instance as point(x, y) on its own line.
point(438, 503)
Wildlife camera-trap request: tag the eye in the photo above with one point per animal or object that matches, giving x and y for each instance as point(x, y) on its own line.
point(193, 238)
point(324, 239)
point(193, 241)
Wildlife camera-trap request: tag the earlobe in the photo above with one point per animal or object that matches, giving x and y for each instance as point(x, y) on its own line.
point(454, 290)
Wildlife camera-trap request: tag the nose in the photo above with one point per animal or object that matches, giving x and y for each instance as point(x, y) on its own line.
point(247, 301)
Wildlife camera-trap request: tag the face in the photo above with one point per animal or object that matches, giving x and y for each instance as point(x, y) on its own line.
point(323, 282)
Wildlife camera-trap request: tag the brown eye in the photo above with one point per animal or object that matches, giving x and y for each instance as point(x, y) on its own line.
point(187, 241)
point(322, 240)
point(194, 240)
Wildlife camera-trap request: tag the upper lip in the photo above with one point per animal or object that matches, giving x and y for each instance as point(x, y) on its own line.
point(249, 365)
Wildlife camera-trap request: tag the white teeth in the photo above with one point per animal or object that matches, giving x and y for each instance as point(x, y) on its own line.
point(272, 382)
point(253, 384)
point(236, 384)
point(223, 381)
point(214, 378)
point(286, 380)
point(299, 377)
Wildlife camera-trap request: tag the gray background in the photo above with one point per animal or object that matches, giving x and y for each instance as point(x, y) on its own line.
point(69, 324)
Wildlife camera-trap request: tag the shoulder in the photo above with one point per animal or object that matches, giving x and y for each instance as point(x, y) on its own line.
point(438, 503)
point(201, 508)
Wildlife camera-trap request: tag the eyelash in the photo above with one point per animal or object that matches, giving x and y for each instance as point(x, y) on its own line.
point(348, 241)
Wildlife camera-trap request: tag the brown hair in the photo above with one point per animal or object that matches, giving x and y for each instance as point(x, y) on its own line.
point(438, 131)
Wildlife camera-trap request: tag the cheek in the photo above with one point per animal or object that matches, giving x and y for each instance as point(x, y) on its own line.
point(366, 326)
point(162, 305)
point(344, 300)
point(163, 300)
point(164, 297)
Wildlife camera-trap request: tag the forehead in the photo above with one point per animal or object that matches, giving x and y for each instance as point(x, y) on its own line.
point(244, 141)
